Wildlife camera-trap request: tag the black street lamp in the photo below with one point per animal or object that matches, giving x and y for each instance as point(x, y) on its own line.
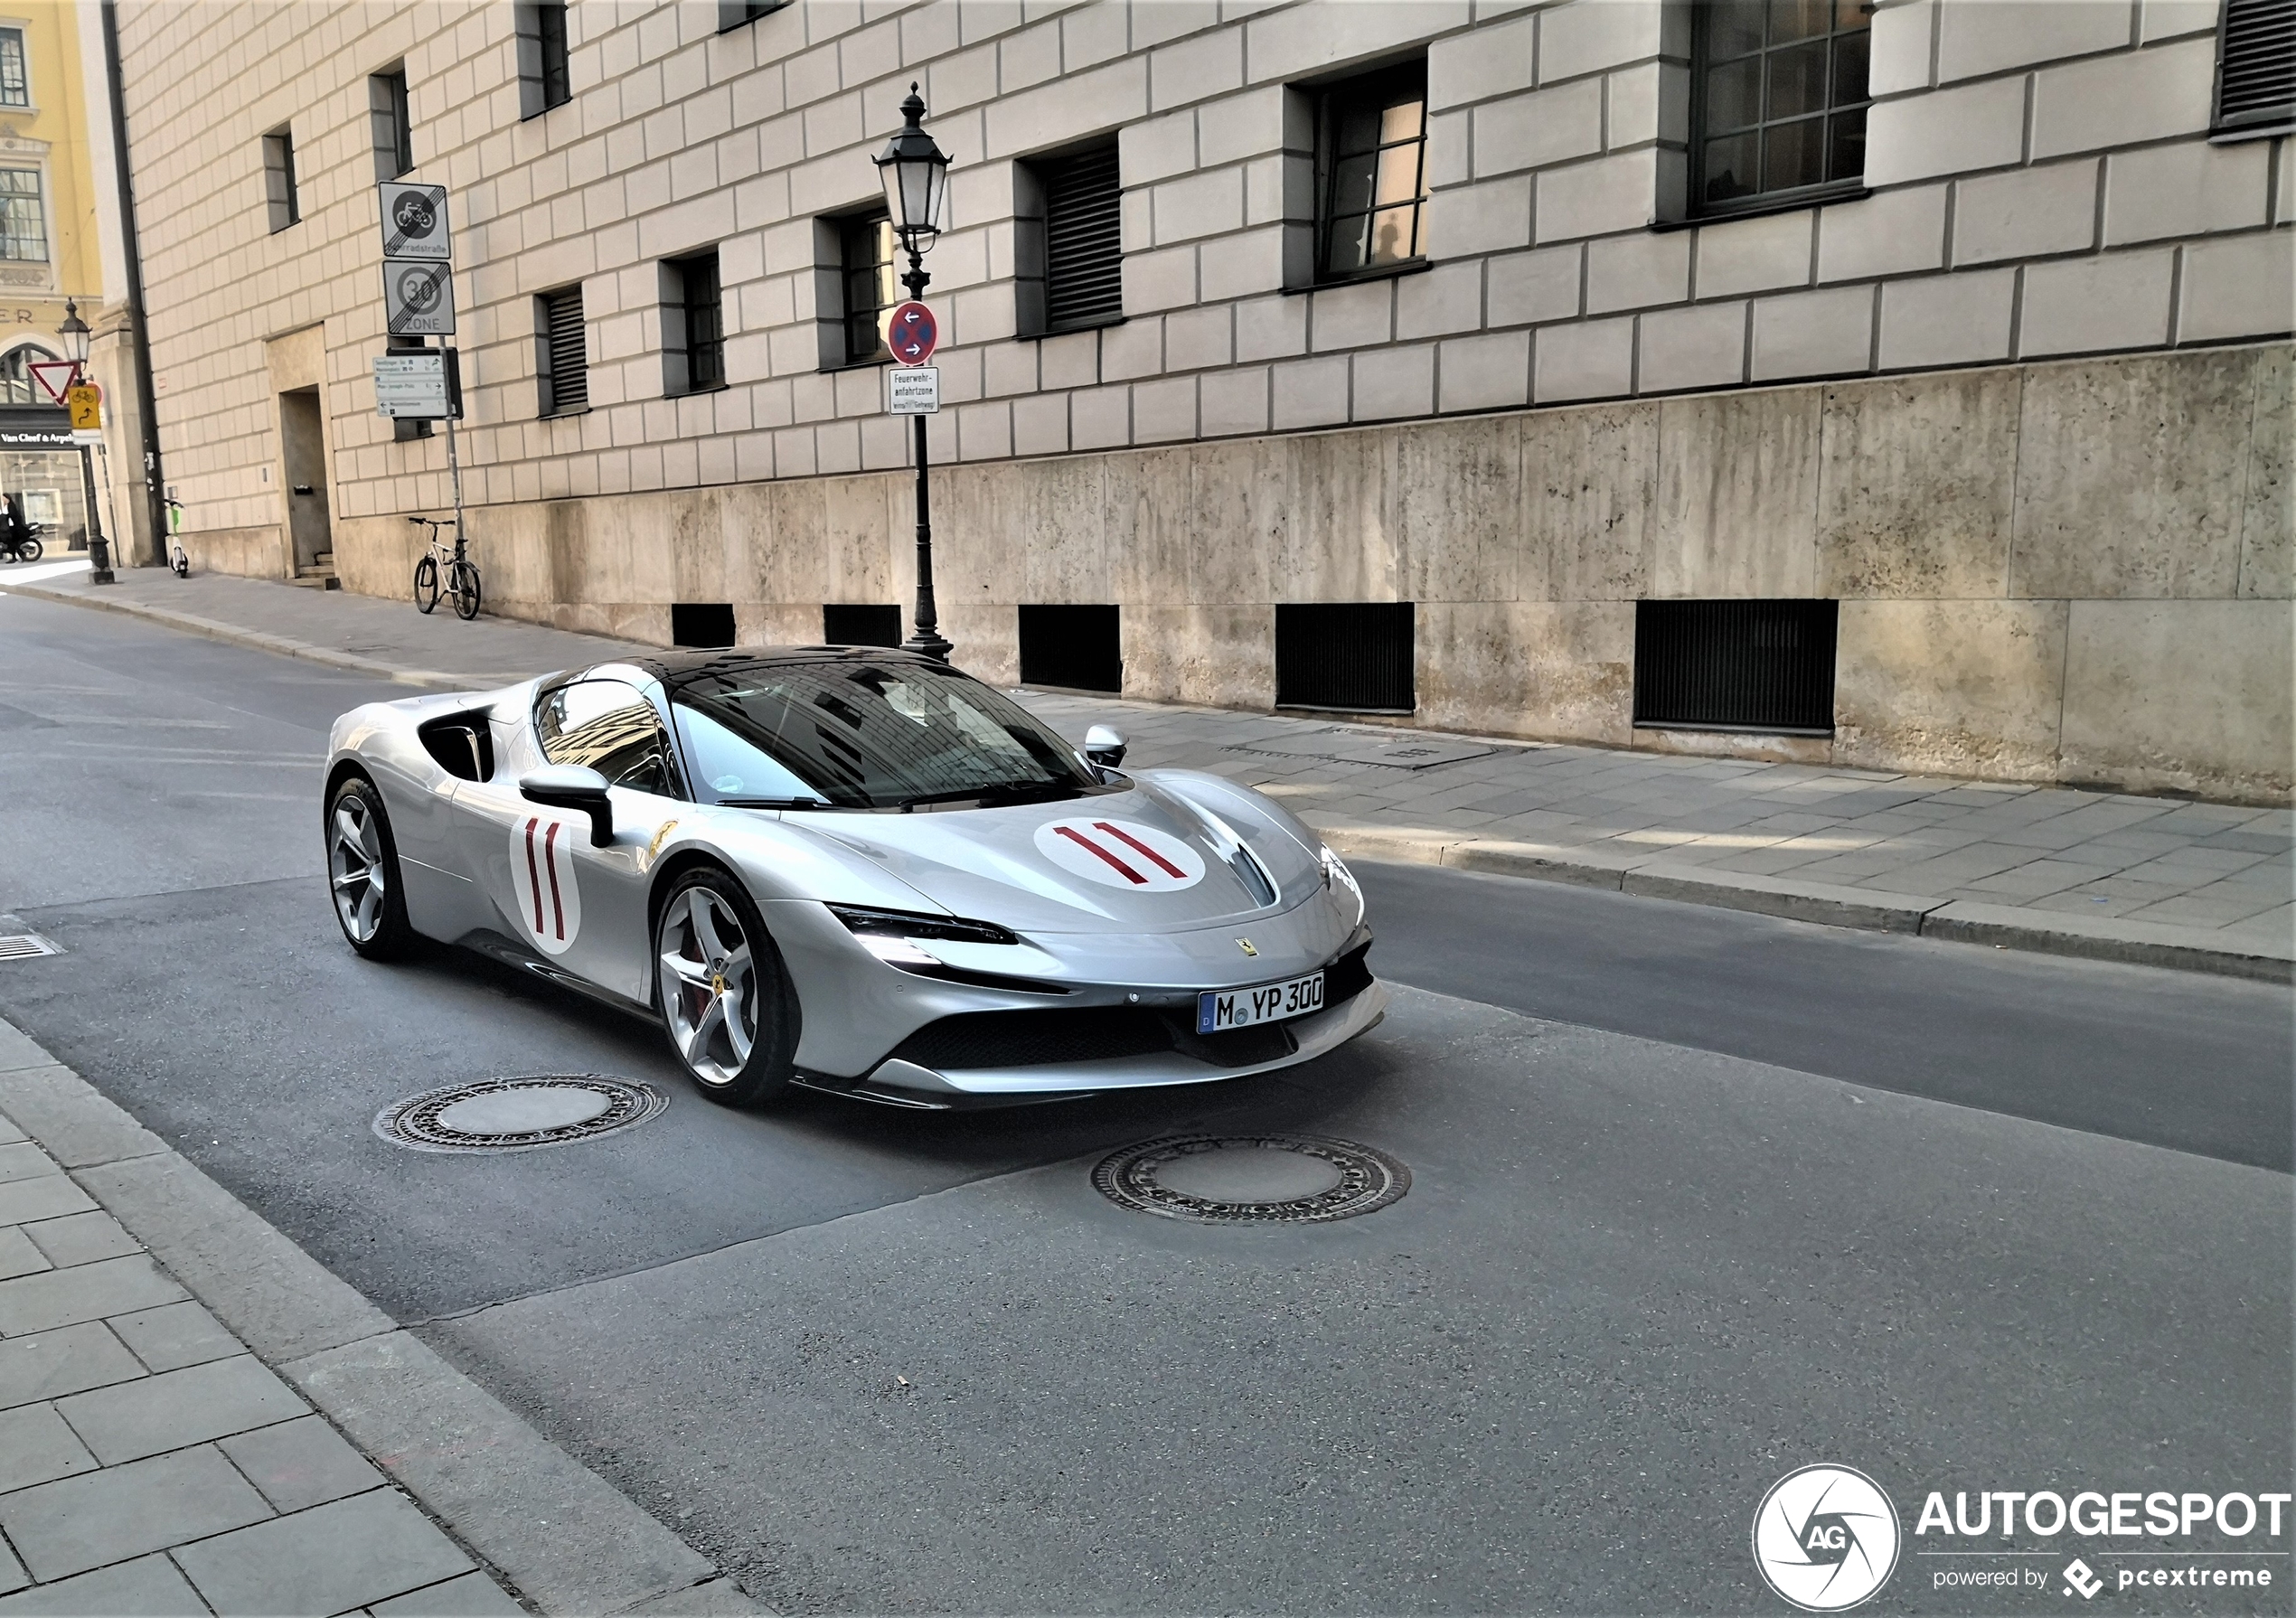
point(76, 334)
point(915, 173)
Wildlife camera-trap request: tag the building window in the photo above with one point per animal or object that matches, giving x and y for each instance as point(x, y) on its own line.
point(867, 267)
point(562, 356)
point(2255, 68)
point(733, 13)
point(1734, 665)
point(1372, 173)
point(693, 343)
point(1068, 239)
point(16, 386)
point(278, 179)
point(394, 135)
point(542, 81)
point(15, 83)
point(1780, 99)
point(1354, 656)
point(23, 221)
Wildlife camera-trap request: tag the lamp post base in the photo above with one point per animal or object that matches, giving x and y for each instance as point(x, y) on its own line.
point(931, 645)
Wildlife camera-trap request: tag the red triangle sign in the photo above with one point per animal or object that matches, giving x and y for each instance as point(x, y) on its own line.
point(52, 376)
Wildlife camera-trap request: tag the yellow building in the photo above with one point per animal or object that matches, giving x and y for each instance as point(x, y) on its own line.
point(56, 234)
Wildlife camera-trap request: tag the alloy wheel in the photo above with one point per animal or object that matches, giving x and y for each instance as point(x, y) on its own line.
point(355, 867)
point(709, 985)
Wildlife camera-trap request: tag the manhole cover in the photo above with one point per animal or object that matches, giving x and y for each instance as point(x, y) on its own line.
point(518, 1114)
point(1251, 1178)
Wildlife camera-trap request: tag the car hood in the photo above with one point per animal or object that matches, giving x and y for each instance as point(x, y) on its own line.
point(991, 864)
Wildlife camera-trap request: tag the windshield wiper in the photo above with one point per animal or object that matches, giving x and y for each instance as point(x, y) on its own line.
point(776, 803)
point(997, 796)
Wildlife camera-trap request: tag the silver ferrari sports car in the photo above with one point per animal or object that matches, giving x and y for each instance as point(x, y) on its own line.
point(853, 870)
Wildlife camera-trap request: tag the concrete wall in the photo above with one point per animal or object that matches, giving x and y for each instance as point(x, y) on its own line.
point(2059, 572)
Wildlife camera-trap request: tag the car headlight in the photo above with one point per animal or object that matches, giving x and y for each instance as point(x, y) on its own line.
point(1338, 876)
point(893, 927)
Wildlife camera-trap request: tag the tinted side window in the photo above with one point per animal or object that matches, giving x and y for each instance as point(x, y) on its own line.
point(611, 728)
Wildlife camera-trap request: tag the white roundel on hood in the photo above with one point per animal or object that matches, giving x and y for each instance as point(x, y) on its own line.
point(1121, 853)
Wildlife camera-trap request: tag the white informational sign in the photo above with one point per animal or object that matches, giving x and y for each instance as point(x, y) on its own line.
point(83, 435)
point(414, 221)
point(916, 392)
point(414, 387)
point(417, 299)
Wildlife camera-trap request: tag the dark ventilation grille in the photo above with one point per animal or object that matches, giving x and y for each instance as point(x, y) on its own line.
point(1083, 241)
point(1076, 646)
point(701, 624)
point(1353, 655)
point(861, 624)
point(566, 373)
point(1734, 665)
point(2256, 65)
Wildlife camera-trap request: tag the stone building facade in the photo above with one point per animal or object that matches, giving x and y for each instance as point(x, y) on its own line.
point(2002, 368)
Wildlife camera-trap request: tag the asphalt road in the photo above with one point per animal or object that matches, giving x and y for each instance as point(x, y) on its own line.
point(1698, 1198)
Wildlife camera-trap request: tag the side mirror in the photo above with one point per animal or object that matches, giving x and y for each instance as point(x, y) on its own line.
point(573, 786)
point(1104, 746)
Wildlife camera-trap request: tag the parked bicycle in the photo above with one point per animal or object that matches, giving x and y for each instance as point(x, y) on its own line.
point(449, 563)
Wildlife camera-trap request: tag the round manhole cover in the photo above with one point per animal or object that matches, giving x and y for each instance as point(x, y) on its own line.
point(1251, 1178)
point(518, 1114)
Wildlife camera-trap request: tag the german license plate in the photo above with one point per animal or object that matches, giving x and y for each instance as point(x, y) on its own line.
point(1220, 1009)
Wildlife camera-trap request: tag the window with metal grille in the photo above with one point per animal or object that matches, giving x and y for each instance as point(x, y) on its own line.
point(24, 220)
point(16, 386)
point(705, 623)
point(1371, 163)
point(543, 79)
point(15, 83)
point(562, 351)
point(1779, 99)
point(1081, 647)
point(1734, 665)
point(1356, 656)
point(861, 624)
point(866, 276)
point(2255, 68)
point(693, 342)
point(278, 179)
point(405, 429)
point(1084, 279)
point(386, 113)
point(733, 13)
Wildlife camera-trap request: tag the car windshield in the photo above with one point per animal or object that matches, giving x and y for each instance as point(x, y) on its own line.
point(850, 734)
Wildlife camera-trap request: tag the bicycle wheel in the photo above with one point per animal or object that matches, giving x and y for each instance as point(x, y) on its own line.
point(461, 583)
point(427, 583)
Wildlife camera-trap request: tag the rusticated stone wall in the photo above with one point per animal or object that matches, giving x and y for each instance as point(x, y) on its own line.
point(2070, 572)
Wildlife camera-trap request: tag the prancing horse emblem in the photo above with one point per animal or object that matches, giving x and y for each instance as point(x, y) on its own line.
point(1245, 945)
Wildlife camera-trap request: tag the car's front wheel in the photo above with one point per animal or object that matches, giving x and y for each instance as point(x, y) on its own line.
point(362, 870)
point(726, 1002)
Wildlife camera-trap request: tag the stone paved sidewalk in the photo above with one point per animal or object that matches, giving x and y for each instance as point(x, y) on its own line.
point(2156, 879)
point(150, 1464)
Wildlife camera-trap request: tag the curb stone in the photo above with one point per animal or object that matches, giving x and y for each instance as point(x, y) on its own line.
point(1866, 909)
point(553, 1529)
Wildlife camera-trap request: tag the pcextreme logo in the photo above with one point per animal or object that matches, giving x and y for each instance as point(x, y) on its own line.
point(1825, 1538)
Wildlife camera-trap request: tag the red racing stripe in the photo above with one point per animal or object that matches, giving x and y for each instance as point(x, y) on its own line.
point(533, 877)
point(550, 858)
point(1081, 840)
point(1127, 838)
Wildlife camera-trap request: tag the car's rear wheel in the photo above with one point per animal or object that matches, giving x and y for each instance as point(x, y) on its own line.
point(362, 870)
point(726, 1001)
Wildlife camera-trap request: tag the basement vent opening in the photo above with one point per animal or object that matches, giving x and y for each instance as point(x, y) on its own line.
point(1079, 647)
point(702, 624)
point(859, 623)
point(1345, 656)
point(1734, 665)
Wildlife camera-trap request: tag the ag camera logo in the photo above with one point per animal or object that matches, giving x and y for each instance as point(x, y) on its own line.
point(1825, 1538)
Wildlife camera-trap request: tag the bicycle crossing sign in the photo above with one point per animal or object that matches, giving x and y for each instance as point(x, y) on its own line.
point(417, 299)
point(414, 221)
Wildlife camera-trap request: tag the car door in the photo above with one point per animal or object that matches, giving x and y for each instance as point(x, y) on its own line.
point(581, 906)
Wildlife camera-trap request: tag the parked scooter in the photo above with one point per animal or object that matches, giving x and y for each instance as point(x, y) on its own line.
point(178, 562)
point(20, 545)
